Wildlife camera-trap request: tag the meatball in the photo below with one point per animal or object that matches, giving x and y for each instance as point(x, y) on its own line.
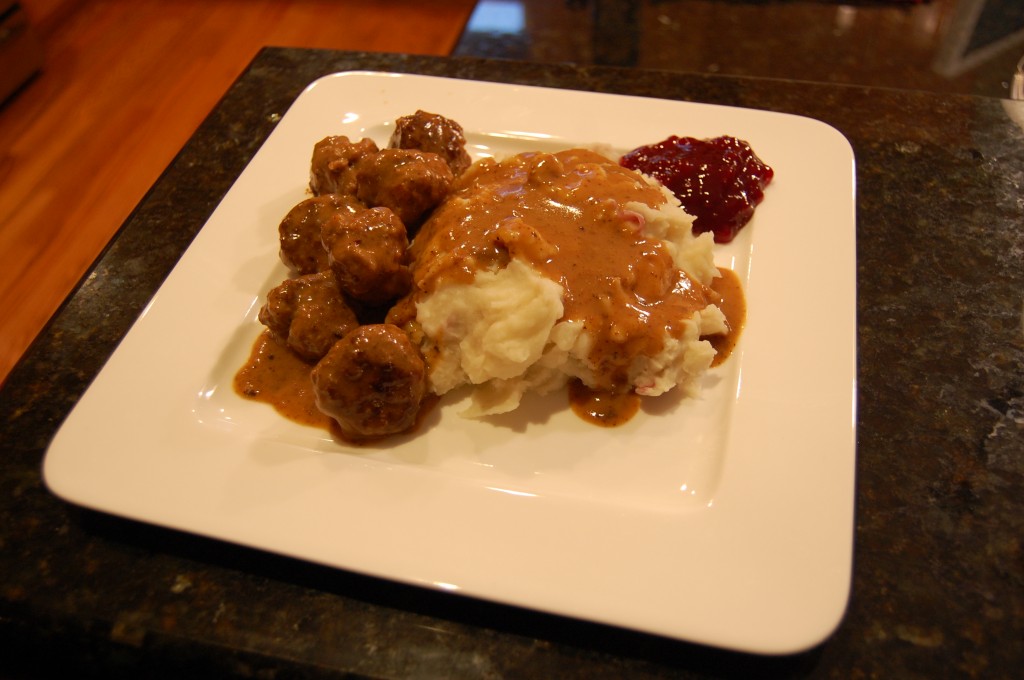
point(434, 133)
point(299, 232)
point(410, 183)
point(308, 314)
point(335, 159)
point(367, 253)
point(372, 382)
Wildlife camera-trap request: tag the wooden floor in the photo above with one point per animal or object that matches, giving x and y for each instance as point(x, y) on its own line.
point(125, 84)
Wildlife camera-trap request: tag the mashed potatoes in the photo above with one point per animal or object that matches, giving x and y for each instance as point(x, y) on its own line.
point(547, 267)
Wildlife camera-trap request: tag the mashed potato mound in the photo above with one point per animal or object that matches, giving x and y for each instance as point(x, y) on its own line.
point(568, 267)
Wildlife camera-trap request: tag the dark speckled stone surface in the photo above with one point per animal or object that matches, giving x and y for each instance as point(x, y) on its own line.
point(938, 586)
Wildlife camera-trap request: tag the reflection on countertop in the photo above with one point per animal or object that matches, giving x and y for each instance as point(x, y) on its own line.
point(951, 46)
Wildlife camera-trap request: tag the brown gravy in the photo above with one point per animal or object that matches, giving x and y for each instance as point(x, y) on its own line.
point(274, 375)
point(611, 409)
point(617, 282)
point(728, 295)
point(602, 407)
point(566, 215)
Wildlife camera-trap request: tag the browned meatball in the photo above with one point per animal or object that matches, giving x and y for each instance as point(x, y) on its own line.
point(372, 382)
point(309, 314)
point(335, 159)
point(409, 182)
point(434, 133)
point(367, 253)
point(299, 231)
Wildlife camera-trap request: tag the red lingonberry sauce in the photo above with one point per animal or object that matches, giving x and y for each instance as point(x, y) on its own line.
point(719, 181)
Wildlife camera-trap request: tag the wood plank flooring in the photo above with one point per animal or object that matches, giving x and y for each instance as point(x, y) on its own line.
point(125, 83)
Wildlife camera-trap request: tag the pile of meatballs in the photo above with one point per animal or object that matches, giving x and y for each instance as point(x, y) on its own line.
point(348, 250)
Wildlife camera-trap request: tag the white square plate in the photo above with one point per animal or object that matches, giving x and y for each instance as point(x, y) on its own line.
point(725, 519)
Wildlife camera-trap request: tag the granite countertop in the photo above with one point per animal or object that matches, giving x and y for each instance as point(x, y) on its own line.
point(938, 585)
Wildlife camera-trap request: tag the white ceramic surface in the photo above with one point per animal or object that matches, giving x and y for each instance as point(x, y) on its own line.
point(725, 520)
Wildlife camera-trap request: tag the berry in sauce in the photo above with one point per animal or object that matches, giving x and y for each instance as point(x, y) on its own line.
point(719, 181)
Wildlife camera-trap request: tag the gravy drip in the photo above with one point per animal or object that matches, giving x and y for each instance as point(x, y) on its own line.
point(601, 407)
point(275, 375)
point(565, 214)
point(727, 294)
